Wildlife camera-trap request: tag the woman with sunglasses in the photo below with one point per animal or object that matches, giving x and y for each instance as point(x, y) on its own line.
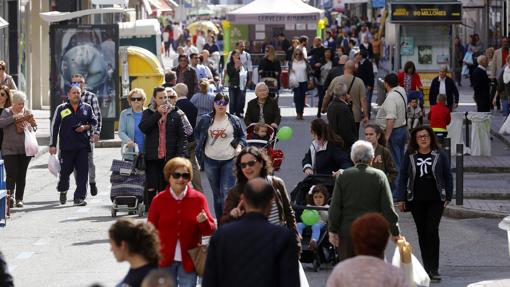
point(129, 132)
point(165, 138)
point(252, 163)
point(301, 71)
point(220, 137)
point(5, 102)
point(181, 216)
point(425, 188)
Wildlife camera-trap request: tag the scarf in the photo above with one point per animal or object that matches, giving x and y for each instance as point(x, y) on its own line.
point(506, 75)
point(162, 136)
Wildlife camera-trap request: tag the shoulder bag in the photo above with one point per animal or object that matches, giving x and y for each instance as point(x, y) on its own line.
point(198, 256)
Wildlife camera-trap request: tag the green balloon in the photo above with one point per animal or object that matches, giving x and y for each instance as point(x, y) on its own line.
point(310, 217)
point(284, 133)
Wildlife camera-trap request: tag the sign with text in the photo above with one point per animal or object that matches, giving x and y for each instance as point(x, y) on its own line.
point(426, 12)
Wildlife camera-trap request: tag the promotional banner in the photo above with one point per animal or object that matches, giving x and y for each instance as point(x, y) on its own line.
point(426, 12)
point(90, 51)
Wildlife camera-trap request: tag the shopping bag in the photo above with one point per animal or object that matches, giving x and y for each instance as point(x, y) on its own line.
point(412, 268)
point(468, 58)
point(243, 78)
point(31, 146)
point(465, 71)
point(54, 165)
point(293, 83)
point(505, 128)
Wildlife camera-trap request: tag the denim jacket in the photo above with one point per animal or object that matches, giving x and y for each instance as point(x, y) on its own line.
point(201, 132)
point(440, 170)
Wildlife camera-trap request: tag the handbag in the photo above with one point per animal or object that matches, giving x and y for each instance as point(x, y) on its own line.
point(20, 122)
point(139, 162)
point(198, 256)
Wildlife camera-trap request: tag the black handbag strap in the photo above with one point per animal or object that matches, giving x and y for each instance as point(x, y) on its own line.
point(405, 106)
point(350, 86)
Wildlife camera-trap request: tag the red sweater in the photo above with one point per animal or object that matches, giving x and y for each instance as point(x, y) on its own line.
point(177, 219)
point(415, 81)
point(439, 116)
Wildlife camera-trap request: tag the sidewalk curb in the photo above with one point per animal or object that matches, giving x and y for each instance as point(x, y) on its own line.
point(460, 212)
point(500, 137)
point(484, 169)
point(487, 195)
point(101, 144)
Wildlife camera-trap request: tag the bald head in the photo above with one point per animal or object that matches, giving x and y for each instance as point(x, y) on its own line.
point(349, 67)
point(257, 195)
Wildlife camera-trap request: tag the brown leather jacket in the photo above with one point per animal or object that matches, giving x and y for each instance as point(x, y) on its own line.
point(282, 202)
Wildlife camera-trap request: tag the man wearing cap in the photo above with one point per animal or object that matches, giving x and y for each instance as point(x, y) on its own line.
point(72, 123)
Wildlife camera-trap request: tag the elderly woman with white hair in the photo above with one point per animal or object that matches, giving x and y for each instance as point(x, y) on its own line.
point(263, 109)
point(13, 145)
point(358, 190)
point(129, 132)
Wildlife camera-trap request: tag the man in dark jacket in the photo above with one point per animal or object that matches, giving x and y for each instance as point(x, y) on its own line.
point(340, 116)
point(446, 86)
point(71, 122)
point(366, 73)
point(481, 85)
point(252, 251)
point(187, 75)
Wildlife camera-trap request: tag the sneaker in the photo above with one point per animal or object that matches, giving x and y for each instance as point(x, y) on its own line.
point(80, 202)
point(63, 197)
point(19, 203)
point(93, 189)
point(435, 277)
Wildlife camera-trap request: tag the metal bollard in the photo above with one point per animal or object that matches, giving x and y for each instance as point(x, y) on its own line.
point(467, 122)
point(459, 175)
point(447, 146)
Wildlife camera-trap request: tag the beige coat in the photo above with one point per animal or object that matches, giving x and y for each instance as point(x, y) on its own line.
point(357, 94)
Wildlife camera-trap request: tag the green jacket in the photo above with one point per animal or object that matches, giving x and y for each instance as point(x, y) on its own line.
point(358, 190)
point(383, 160)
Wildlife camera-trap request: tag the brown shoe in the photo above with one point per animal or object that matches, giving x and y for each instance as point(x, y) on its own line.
point(312, 245)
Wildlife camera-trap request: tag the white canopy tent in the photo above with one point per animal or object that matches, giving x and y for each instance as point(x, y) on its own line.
point(275, 12)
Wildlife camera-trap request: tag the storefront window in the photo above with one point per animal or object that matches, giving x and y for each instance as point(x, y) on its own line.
point(426, 48)
point(23, 19)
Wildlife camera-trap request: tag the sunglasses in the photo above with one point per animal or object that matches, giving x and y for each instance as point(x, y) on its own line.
point(75, 83)
point(184, 175)
point(3, 94)
point(221, 103)
point(136, 99)
point(250, 163)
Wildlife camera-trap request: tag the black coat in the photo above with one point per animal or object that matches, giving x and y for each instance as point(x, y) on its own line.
point(452, 93)
point(333, 73)
point(481, 86)
point(190, 79)
point(341, 121)
point(271, 112)
point(191, 113)
point(252, 252)
point(176, 141)
point(366, 73)
point(326, 161)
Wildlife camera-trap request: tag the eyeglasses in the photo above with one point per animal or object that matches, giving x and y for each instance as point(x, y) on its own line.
point(184, 175)
point(136, 99)
point(250, 163)
point(222, 103)
point(423, 137)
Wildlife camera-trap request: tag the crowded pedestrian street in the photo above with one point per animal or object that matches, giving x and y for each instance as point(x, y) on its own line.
point(254, 143)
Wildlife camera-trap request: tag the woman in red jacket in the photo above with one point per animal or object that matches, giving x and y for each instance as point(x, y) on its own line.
point(182, 217)
point(409, 79)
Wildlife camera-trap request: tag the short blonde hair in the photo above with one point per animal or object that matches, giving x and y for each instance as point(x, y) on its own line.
point(136, 91)
point(176, 163)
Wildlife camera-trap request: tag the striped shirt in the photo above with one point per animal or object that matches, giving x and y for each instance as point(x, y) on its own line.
point(203, 102)
point(91, 99)
point(274, 215)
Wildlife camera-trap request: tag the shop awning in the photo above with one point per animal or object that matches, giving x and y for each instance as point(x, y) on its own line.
point(163, 5)
point(202, 11)
point(147, 6)
point(3, 23)
point(56, 16)
point(355, 1)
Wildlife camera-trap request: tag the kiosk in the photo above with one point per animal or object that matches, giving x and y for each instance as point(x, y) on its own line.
point(423, 34)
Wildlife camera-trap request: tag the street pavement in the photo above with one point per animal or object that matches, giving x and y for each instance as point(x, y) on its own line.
point(47, 244)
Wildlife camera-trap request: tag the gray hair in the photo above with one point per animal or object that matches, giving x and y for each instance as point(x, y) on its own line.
point(19, 97)
point(260, 84)
point(481, 58)
point(339, 89)
point(362, 152)
point(181, 90)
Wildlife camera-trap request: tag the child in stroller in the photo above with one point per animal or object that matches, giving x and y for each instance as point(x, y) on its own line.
point(318, 197)
point(264, 136)
point(324, 252)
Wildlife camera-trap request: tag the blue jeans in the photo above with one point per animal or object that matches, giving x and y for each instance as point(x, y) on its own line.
point(397, 145)
point(299, 97)
point(181, 277)
point(504, 105)
point(221, 178)
point(369, 94)
point(316, 230)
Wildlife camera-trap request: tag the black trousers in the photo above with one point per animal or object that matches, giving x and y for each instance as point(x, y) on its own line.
point(427, 215)
point(16, 167)
point(154, 180)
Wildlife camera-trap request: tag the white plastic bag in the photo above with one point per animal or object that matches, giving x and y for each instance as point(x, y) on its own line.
point(31, 145)
point(413, 270)
point(302, 277)
point(54, 165)
point(293, 83)
point(243, 78)
point(505, 128)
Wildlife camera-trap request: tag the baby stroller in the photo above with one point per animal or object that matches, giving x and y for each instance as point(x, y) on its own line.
point(128, 185)
point(325, 252)
point(269, 144)
point(272, 84)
